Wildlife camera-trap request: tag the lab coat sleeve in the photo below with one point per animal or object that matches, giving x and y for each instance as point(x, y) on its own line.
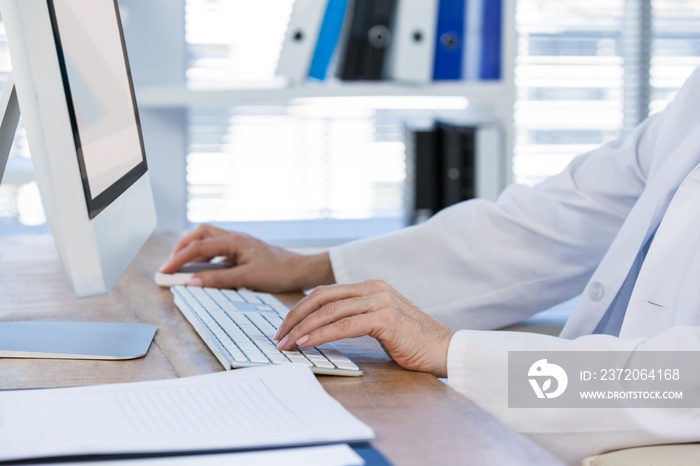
point(491, 264)
point(477, 366)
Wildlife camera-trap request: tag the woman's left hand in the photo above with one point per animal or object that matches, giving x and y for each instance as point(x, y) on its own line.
point(412, 338)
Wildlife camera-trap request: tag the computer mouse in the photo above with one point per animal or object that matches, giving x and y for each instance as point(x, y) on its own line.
point(185, 274)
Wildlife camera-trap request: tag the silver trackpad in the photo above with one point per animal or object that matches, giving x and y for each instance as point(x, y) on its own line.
point(75, 340)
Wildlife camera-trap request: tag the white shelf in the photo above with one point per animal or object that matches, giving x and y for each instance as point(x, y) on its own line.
point(164, 107)
point(168, 97)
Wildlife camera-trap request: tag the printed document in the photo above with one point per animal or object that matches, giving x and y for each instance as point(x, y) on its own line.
point(269, 406)
point(327, 455)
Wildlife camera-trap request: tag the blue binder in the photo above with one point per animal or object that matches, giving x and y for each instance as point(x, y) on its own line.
point(492, 41)
point(449, 43)
point(328, 38)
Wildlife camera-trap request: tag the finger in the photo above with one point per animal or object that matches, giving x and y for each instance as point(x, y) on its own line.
point(233, 277)
point(318, 298)
point(201, 232)
point(349, 327)
point(177, 261)
point(333, 312)
point(201, 250)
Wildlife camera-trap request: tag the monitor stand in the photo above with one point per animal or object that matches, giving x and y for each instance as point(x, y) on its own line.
point(9, 113)
point(64, 340)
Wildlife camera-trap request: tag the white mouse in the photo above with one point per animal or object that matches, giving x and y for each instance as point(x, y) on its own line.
point(185, 274)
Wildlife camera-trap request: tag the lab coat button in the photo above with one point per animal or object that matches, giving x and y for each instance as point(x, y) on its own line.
point(596, 291)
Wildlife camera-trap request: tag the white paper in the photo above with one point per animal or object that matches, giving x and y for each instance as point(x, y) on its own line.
point(330, 455)
point(246, 408)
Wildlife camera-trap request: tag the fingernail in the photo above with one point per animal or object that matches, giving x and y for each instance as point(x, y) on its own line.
point(281, 343)
point(195, 282)
point(277, 335)
point(302, 340)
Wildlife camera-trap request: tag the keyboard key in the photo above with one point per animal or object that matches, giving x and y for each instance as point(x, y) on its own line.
point(345, 364)
point(249, 296)
point(267, 298)
point(261, 323)
point(297, 357)
point(274, 320)
point(233, 296)
point(281, 309)
point(277, 358)
point(321, 362)
point(310, 351)
point(256, 356)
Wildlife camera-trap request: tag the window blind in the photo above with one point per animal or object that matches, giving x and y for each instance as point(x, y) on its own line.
point(675, 48)
point(569, 79)
point(589, 72)
point(291, 173)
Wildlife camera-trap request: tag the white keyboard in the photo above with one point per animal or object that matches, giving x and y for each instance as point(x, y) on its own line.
point(238, 326)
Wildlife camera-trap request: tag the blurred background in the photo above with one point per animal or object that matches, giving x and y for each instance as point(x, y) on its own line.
point(298, 167)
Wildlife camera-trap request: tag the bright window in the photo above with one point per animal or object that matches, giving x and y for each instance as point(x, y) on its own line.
point(588, 72)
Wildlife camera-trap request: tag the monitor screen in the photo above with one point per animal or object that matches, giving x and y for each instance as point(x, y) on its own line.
point(100, 98)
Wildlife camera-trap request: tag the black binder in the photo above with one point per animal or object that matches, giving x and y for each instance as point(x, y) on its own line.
point(368, 37)
point(423, 148)
point(458, 171)
point(444, 160)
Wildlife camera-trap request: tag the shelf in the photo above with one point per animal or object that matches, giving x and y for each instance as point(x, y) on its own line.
point(274, 94)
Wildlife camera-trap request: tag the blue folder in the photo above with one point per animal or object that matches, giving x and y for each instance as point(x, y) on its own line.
point(491, 43)
point(328, 38)
point(449, 43)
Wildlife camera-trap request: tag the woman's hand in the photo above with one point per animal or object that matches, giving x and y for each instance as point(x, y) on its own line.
point(413, 339)
point(253, 263)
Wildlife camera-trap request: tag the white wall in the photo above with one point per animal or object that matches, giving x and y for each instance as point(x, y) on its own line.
point(154, 33)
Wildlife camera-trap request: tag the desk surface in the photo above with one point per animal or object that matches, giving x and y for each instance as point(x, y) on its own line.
point(418, 419)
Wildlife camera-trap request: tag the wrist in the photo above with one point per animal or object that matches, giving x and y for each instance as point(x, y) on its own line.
point(442, 350)
point(313, 270)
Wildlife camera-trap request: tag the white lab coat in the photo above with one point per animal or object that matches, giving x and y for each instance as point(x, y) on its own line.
point(483, 265)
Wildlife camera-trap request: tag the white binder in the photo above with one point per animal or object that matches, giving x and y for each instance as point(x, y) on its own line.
point(411, 53)
point(300, 39)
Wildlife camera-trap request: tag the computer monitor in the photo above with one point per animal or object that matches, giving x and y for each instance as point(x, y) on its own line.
point(74, 90)
point(77, 101)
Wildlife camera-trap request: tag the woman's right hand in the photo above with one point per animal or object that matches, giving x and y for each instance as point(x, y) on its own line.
point(253, 263)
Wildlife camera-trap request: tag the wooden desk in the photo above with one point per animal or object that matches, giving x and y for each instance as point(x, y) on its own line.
point(418, 420)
